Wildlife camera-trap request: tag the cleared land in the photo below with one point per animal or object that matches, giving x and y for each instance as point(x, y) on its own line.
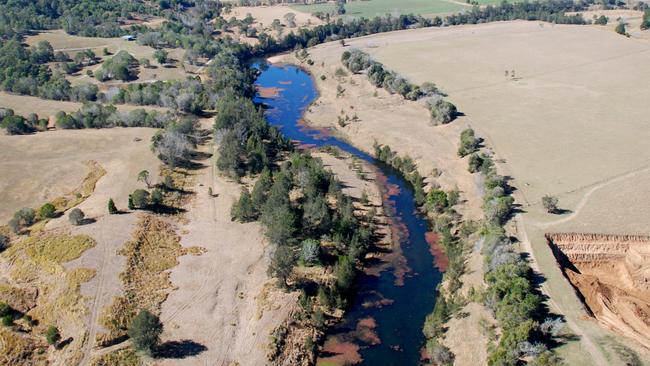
point(571, 122)
point(372, 8)
point(264, 15)
point(37, 168)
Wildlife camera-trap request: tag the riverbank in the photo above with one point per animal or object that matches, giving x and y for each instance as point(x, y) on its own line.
point(404, 126)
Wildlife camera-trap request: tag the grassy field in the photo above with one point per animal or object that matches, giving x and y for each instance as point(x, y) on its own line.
point(40, 167)
point(374, 8)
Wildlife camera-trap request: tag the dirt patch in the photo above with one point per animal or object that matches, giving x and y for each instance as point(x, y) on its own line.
point(612, 275)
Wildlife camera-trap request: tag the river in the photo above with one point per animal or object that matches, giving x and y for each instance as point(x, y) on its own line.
point(383, 325)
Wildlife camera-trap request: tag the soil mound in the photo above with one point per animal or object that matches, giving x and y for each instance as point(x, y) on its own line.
point(612, 276)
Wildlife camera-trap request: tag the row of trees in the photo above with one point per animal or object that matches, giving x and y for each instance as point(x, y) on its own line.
point(96, 115)
point(510, 294)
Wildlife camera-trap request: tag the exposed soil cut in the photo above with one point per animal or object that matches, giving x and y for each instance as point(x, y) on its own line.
point(612, 276)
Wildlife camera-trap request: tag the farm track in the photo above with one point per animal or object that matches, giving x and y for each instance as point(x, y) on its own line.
point(98, 300)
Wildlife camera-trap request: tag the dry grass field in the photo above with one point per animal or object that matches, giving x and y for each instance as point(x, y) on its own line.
point(37, 168)
point(71, 44)
point(264, 15)
point(572, 122)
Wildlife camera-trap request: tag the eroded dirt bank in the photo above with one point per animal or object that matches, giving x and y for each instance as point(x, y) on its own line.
point(612, 275)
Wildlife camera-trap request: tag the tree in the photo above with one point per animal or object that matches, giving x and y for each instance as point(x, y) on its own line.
point(140, 198)
point(620, 29)
point(52, 334)
point(143, 176)
point(145, 331)
point(160, 56)
point(442, 111)
point(76, 216)
point(130, 205)
point(243, 210)
point(602, 20)
point(550, 203)
point(47, 211)
point(112, 210)
point(156, 197)
point(290, 18)
point(310, 251)
point(4, 242)
point(282, 264)
point(340, 7)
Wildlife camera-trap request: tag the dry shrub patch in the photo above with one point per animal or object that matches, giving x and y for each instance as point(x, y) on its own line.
point(150, 254)
point(21, 349)
point(123, 357)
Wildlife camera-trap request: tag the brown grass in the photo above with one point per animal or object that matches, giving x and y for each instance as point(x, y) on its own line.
point(82, 192)
point(21, 349)
point(122, 357)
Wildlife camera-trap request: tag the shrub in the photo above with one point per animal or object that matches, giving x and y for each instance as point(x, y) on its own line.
point(47, 211)
point(5, 309)
point(145, 331)
point(550, 203)
point(7, 320)
point(76, 216)
point(52, 334)
point(111, 207)
point(4, 242)
point(620, 29)
point(243, 210)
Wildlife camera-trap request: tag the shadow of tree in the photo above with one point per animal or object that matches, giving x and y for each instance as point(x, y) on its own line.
point(179, 349)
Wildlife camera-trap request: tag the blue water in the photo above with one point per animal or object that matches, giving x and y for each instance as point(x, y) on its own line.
point(399, 324)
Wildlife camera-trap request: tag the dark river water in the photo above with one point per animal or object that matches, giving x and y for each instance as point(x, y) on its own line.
point(383, 325)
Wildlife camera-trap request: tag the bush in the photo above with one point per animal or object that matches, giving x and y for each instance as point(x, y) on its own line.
point(442, 111)
point(111, 207)
point(52, 334)
point(76, 216)
point(620, 29)
point(5, 309)
point(4, 242)
point(468, 143)
point(140, 198)
point(243, 210)
point(310, 251)
point(47, 211)
point(7, 320)
point(22, 218)
point(550, 203)
point(145, 331)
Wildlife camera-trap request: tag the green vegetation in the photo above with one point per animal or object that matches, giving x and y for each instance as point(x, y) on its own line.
point(145, 331)
point(22, 218)
point(52, 335)
point(510, 294)
point(442, 111)
point(468, 142)
point(404, 165)
point(372, 8)
point(112, 210)
point(645, 21)
point(47, 211)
